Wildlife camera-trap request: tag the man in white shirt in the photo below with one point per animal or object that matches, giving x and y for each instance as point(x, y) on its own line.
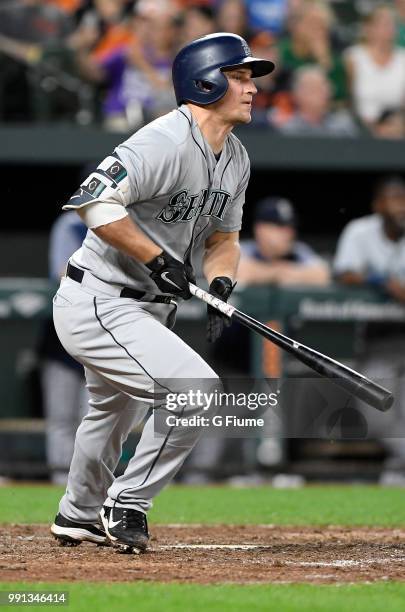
point(371, 251)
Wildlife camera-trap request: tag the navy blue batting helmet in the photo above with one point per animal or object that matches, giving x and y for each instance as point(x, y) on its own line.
point(198, 67)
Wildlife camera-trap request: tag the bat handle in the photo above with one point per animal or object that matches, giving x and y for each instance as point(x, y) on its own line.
point(206, 297)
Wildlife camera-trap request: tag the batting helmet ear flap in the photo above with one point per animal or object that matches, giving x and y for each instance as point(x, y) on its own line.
point(210, 86)
point(204, 85)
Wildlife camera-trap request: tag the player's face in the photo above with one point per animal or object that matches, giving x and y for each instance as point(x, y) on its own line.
point(236, 105)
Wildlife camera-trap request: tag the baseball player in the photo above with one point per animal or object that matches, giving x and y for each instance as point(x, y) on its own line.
point(167, 198)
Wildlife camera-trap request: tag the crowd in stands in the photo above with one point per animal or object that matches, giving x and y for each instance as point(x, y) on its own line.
point(340, 64)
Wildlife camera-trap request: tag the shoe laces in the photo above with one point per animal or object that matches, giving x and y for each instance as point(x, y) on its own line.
point(133, 519)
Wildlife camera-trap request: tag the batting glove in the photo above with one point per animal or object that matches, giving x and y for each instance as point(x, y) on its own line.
point(221, 287)
point(170, 275)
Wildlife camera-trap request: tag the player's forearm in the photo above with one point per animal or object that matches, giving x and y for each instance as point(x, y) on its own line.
point(221, 259)
point(125, 236)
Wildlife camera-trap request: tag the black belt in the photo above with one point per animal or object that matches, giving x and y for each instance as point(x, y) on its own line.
point(77, 275)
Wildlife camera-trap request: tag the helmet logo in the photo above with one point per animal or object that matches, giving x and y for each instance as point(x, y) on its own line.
point(246, 48)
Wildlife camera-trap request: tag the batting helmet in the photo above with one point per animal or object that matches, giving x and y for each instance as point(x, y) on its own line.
point(198, 67)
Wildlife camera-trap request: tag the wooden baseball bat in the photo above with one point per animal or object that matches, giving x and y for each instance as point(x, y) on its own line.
point(354, 382)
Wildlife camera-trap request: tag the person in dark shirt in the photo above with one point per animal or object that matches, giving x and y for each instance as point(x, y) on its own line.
point(275, 255)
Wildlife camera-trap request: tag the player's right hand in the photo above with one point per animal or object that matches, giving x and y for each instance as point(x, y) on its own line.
point(170, 275)
point(221, 287)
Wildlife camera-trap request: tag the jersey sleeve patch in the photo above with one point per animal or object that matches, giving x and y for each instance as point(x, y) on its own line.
point(114, 169)
point(108, 183)
point(89, 191)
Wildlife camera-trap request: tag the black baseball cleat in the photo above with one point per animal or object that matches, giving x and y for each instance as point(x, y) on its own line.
point(127, 529)
point(71, 533)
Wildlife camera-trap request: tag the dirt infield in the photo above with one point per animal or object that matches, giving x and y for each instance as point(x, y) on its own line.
point(212, 554)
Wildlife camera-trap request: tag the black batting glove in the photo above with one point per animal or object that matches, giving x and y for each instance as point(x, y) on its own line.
point(170, 275)
point(221, 287)
point(190, 273)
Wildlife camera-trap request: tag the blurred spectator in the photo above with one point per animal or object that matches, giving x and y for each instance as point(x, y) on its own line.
point(275, 255)
point(376, 67)
point(400, 20)
point(310, 42)
point(273, 98)
point(231, 17)
point(63, 384)
point(68, 6)
point(313, 116)
point(34, 21)
point(150, 60)
point(33, 45)
point(371, 252)
point(102, 29)
point(390, 124)
point(137, 77)
point(197, 21)
point(187, 3)
point(267, 15)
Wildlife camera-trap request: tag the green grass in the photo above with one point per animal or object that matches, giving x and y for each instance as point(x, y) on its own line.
point(315, 505)
point(338, 505)
point(148, 597)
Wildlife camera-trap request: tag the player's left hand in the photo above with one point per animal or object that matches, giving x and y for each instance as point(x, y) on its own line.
point(221, 287)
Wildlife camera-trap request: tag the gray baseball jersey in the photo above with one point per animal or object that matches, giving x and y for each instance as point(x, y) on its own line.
point(173, 188)
point(178, 193)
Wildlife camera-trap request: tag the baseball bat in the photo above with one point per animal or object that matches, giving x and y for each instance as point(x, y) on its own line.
point(354, 382)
